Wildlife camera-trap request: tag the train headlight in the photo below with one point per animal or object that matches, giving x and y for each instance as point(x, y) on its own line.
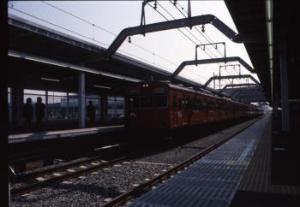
point(132, 115)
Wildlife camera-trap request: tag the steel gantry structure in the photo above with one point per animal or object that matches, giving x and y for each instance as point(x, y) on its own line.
point(210, 61)
point(229, 77)
point(174, 24)
point(236, 85)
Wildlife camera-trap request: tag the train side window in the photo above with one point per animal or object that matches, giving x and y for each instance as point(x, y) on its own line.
point(204, 104)
point(159, 101)
point(185, 103)
point(189, 103)
point(194, 104)
point(199, 104)
point(180, 103)
point(207, 104)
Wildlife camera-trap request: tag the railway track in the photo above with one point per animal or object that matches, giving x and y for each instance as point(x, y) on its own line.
point(55, 174)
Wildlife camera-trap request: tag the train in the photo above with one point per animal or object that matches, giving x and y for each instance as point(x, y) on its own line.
point(163, 105)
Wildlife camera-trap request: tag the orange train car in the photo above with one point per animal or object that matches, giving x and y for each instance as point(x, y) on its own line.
point(162, 105)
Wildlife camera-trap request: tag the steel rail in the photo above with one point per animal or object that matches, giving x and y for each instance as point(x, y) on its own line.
point(66, 175)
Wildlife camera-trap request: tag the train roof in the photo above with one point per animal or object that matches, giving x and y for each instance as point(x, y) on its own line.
point(202, 92)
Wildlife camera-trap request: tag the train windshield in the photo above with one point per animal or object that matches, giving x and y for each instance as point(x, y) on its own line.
point(155, 101)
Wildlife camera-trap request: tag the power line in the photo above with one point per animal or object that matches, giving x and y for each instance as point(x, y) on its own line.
point(205, 36)
point(184, 13)
point(168, 20)
point(61, 27)
point(185, 28)
point(202, 34)
point(178, 30)
point(79, 18)
point(208, 39)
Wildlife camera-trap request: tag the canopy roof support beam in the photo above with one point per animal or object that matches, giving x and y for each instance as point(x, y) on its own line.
point(174, 24)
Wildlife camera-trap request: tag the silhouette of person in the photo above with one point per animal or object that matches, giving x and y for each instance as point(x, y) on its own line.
point(27, 112)
point(91, 112)
point(39, 112)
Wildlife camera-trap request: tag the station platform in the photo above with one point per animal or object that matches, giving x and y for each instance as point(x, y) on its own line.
point(46, 135)
point(215, 179)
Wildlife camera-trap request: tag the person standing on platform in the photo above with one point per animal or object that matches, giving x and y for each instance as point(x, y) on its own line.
point(27, 113)
point(91, 113)
point(39, 112)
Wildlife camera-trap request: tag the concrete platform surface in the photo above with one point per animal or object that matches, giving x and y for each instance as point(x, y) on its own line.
point(212, 180)
point(29, 137)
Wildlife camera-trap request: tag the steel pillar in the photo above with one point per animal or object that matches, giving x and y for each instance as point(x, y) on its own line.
point(81, 101)
point(104, 103)
point(284, 89)
point(46, 104)
point(17, 104)
point(5, 190)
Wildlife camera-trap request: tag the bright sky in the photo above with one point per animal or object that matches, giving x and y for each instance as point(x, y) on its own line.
point(165, 50)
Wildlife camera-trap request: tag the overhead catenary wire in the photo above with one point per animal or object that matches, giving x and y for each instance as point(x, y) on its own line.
point(205, 36)
point(184, 34)
point(56, 25)
point(186, 29)
point(184, 13)
point(208, 38)
point(168, 20)
point(180, 32)
point(79, 18)
point(156, 9)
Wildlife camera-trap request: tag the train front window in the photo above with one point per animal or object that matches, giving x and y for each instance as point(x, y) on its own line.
point(153, 101)
point(146, 101)
point(159, 101)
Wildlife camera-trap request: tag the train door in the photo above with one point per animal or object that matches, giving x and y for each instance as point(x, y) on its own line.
point(173, 109)
point(132, 111)
point(185, 110)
